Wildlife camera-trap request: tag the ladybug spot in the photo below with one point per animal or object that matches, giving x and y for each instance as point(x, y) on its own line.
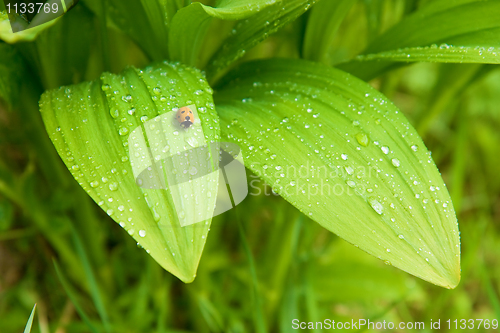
point(183, 111)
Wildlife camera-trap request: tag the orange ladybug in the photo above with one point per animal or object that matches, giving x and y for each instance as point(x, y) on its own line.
point(185, 117)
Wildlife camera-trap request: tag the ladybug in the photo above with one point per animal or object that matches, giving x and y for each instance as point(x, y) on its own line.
point(185, 117)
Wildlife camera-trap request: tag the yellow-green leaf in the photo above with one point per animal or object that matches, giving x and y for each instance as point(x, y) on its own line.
point(93, 125)
point(344, 155)
point(460, 31)
point(190, 25)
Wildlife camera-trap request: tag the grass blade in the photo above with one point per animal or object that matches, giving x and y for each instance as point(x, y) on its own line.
point(90, 277)
point(260, 325)
point(72, 296)
point(27, 329)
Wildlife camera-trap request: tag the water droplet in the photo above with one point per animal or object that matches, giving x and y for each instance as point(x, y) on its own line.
point(396, 162)
point(363, 139)
point(414, 148)
point(94, 184)
point(344, 157)
point(123, 131)
point(113, 186)
point(114, 113)
point(385, 149)
point(127, 98)
point(157, 90)
point(142, 233)
point(377, 206)
point(192, 141)
point(156, 216)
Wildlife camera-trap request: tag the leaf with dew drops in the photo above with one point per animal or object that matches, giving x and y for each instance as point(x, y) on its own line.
point(250, 32)
point(190, 25)
point(344, 155)
point(92, 125)
point(462, 31)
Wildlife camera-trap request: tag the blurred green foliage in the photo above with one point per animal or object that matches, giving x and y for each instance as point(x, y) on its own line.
point(104, 283)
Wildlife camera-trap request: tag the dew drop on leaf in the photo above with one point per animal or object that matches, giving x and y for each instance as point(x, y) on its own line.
point(114, 113)
point(363, 139)
point(377, 206)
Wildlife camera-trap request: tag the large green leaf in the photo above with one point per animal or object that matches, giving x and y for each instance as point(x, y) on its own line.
point(443, 31)
point(322, 25)
point(92, 124)
point(248, 33)
point(190, 25)
point(344, 155)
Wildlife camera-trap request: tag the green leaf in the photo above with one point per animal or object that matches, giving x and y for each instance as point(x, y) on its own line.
point(27, 329)
point(92, 124)
point(28, 35)
point(12, 73)
point(444, 31)
point(322, 25)
point(248, 33)
point(190, 25)
point(344, 155)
